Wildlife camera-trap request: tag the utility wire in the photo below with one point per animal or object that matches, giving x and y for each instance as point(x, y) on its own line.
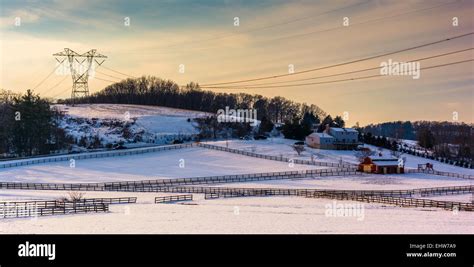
point(105, 80)
point(329, 29)
point(263, 27)
point(49, 75)
point(118, 72)
point(109, 75)
point(344, 63)
point(56, 85)
point(335, 81)
point(355, 71)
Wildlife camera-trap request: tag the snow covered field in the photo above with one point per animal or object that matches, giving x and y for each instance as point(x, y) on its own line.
point(280, 146)
point(248, 215)
point(361, 182)
point(156, 165)
point(232, 215)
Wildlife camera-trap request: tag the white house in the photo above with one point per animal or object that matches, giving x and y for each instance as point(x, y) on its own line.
point(320, 140)
point(334, 138)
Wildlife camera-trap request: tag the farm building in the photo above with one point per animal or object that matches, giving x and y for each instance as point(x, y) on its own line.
point(380, 164)
point(334, 138)
point(320, 140)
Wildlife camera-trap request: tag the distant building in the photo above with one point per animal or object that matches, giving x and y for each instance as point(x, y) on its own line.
point(320, 140)
point(380, 164)
point(334, 138)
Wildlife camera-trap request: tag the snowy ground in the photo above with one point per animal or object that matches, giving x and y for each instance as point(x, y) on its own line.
point(118, 111)
point(360, 182)
point(232, 215)
point(249, 215)
point(158, 125)
point(156, 165)
point(279, 146)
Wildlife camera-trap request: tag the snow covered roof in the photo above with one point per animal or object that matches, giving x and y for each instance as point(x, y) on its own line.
point(352, 130)
point(321, 135)
point(383, 160)
point(386, 163)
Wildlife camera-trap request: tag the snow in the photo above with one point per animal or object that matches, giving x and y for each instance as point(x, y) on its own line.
point(252, 215)
point(154, 165)
point(360, 182)
point(158, 125)
point(279, 146)
point(234, 215)
point(119, 111)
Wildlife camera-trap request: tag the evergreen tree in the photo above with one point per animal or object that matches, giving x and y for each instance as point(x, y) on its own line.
point(425, 138)
point(338, 122)
point(32, 127)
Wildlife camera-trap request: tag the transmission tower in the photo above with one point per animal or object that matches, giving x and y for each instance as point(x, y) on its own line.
point(79, 66)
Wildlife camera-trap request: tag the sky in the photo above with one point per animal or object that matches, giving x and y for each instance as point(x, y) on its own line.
point(163, 36)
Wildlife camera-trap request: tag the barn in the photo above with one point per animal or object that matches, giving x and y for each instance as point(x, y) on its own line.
point(380, 164)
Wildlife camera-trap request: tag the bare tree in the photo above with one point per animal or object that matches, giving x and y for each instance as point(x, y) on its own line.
point(362, 154)
point(299, 149)
point(72, 196)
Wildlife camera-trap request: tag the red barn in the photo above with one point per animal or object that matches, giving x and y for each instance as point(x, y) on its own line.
point(381, 165)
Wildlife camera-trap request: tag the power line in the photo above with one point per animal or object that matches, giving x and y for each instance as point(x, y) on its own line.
point(263, 27)
point(42, 81)
point(56, 85)
point(108, 75)
point(118, 72)
point(364, 22)
point(344, 63)
point(333, 28)
point(63, 91)
point(355, 71)
point(105, 80)
point(335, 81)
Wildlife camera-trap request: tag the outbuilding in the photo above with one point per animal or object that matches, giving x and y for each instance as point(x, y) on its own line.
point(381, 165)
point(320, 141)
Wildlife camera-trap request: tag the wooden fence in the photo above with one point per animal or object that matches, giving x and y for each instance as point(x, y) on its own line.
point(172, 199)
point(405, 202)
point(15, 209)
point(279, 158)
point(144, 184)
point(90, 155)
point(364, 196)
point(32, 211)
point(448, 174)
point(302, 192)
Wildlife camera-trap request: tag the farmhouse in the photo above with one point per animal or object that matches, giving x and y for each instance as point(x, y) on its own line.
point(334, 138)
point(320, 140)
point(380, 164)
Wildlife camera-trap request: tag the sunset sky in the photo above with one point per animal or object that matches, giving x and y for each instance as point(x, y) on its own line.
point(272, 35)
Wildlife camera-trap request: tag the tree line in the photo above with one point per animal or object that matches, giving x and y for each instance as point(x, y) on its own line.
point(450, 141)
point(150, 90)
point(29, 126)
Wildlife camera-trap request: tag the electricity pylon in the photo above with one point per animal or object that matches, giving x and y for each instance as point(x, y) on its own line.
point(80, 66)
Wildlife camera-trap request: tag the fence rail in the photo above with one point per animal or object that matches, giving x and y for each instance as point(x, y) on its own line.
point(29, 211)
point(278, 158)
point(406, 202)
point(90, 155)
point(171, 199)
point(11, 209)
point(448, 174)
point(451, 190)
point(380, 197)
point(143, 184)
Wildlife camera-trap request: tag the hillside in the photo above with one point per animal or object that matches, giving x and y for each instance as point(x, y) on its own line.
point(134, 125)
